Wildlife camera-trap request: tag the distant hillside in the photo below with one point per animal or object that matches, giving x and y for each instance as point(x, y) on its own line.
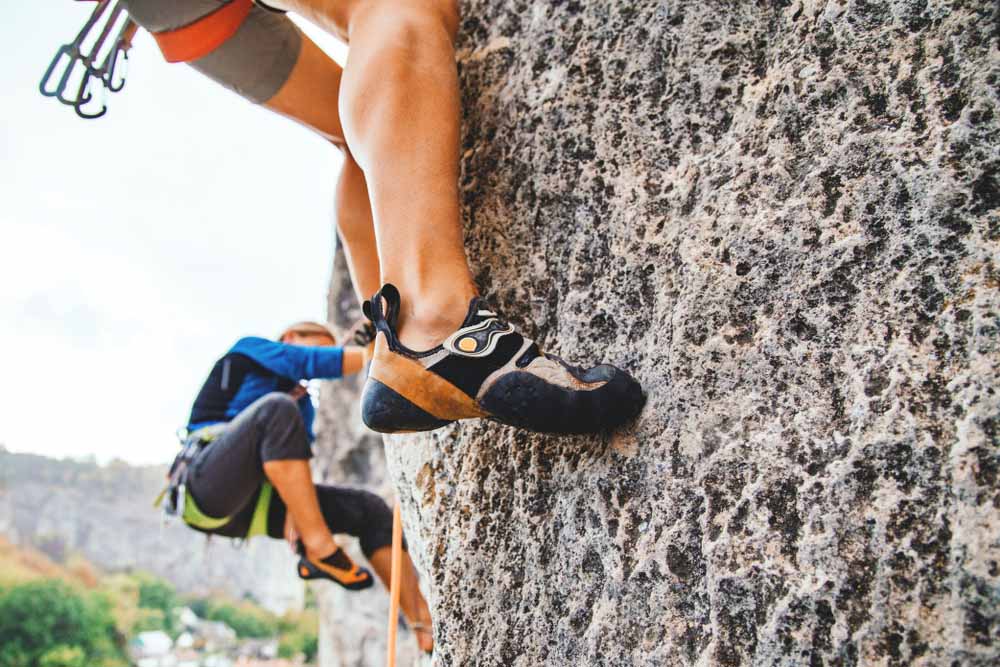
point(105, 514)
point(25, 563)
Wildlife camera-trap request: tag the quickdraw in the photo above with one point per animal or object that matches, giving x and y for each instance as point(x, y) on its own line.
point(73, 64)
point(79, 69)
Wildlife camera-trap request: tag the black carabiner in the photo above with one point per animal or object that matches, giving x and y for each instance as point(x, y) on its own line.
point(67, 50)
point(73, 52)
point(119, 55)
point(84, 96)
point(67, 75)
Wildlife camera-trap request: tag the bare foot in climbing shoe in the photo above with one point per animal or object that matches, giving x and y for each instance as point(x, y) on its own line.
point(486, 369)
point(336, 567)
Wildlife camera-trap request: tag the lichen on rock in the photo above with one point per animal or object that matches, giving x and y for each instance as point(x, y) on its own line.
point(783, 217)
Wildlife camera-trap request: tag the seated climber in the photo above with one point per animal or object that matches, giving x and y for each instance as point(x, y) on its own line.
point(442, 353)
point(244, 469)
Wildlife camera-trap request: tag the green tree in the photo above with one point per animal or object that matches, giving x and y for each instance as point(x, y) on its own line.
point(51, 620)
point(156, 594)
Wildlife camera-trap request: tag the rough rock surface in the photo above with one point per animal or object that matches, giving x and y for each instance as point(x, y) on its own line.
point(353, 625)
point(783, 217)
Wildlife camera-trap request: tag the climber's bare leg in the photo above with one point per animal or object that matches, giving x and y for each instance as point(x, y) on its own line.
point(399, 106)
point(293, 481)
point(411, 601)
point(309, 96)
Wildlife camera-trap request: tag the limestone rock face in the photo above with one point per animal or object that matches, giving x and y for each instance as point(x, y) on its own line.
point(783, 218)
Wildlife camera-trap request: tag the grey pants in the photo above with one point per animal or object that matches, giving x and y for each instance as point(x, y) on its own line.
point(255, 62)
point(226, 477)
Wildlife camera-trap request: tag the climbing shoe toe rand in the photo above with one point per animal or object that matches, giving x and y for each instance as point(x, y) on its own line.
point(526, 400)
point(385, 411)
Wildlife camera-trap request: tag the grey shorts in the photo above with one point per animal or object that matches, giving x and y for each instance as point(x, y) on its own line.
point(226, 477)
point(255, 62)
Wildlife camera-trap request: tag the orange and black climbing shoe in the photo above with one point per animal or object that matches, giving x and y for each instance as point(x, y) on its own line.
point(337, 567)
point(486, 369)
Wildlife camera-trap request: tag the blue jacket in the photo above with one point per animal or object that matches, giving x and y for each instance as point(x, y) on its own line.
point(254, 367)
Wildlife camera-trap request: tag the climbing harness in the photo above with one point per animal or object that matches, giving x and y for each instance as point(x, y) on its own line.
point(83, 70)
point(73, 63)
point(175, 498)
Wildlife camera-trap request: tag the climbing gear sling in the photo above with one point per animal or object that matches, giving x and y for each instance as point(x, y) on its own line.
point(176, 499)
point(79, 64)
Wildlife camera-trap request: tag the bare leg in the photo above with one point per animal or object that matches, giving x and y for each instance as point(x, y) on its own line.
point(293, 480)
point(410, 599)
point(399, 112)
point(354, 223)
point(399, 107)
point(310, 97)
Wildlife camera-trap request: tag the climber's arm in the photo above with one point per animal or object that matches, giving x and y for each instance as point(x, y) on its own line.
point(298, 362)
point(354, 360)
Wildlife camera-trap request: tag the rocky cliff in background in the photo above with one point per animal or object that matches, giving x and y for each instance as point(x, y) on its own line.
point(783, 217)
point(106, 514)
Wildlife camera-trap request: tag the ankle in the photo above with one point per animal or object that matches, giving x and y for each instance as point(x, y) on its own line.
point(319, 547)
point(426, 320)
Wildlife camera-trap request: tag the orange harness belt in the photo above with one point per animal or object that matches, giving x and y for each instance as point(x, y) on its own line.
point(200, 38)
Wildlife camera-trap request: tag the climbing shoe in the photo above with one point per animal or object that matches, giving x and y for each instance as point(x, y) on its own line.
point(337, 567)
point(486, 369)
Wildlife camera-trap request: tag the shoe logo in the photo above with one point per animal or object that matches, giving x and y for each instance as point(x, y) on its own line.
point(478, 340)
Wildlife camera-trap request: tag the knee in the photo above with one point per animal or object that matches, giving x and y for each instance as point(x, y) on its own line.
point(278, 405)
point(413, 26)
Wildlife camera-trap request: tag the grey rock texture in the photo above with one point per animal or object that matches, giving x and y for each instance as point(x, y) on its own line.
point(783, 217)
point(353, 625)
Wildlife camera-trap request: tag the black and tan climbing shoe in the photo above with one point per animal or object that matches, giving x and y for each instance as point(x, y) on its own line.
point(486, 369)
point(337, 567)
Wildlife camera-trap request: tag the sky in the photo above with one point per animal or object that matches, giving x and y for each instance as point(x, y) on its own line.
point(136, 248)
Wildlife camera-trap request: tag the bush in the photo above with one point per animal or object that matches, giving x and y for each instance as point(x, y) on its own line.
point(63, 656)
point(49, 620)
point(246, 619)
point(157, 595)
point(301, 641)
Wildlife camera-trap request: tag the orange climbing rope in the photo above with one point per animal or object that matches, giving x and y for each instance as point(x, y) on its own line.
point(397, 568)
